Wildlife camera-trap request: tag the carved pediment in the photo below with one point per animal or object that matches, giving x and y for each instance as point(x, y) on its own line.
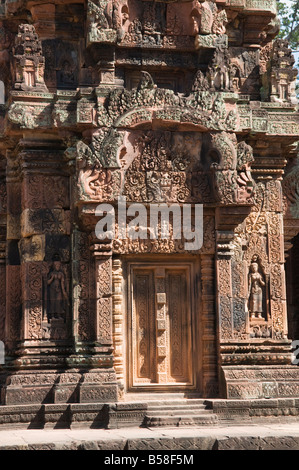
point(147, 102)
point(165, 166)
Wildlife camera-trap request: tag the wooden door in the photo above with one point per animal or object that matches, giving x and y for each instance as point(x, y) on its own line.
point(161, 343)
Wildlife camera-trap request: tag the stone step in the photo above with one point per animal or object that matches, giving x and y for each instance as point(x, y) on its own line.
point(147, 397)
point(175, 421)
point(174, 409)
point(176, 403)
point(179, 412)
point(178, 406)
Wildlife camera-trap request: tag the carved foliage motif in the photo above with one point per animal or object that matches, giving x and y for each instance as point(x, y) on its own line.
point(97, 177)
point(202, 162)
point(104, 300)
point(30, 116)
point(32, 275)
point(166, 246)
point(232, 176)
point(164, 168)
point(82, 267)
point(42, 191)
point(13, 326)
point(225, 299)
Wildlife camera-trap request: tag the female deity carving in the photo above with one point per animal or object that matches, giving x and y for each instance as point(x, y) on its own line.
point(57, 297)
point(256, 290)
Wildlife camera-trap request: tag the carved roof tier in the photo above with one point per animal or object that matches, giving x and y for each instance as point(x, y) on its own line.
point(201, 65)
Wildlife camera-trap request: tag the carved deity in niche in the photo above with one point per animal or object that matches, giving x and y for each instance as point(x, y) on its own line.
point(256, 290)
point(57, 298)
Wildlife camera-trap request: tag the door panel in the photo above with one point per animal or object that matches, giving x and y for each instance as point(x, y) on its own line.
point(161, 327)
point(143, 326)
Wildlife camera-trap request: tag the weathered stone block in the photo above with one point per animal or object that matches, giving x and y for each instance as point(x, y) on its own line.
point(95, 393)
point(89, 415)
point(40, 221)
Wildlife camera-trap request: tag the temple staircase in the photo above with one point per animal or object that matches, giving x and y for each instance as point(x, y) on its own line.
point(175, 410)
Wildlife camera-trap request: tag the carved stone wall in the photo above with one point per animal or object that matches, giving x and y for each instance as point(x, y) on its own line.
point(182, 102)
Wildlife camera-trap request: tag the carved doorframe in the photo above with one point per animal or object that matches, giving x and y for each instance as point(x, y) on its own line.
point(206, 347)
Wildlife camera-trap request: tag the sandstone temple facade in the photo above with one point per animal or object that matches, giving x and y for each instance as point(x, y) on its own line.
point(185, 102)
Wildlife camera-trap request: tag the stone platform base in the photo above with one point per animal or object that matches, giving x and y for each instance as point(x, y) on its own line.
point(52, 386)
point(74, 415)
point(124, 415)
point(252, 410)
point(256, 382)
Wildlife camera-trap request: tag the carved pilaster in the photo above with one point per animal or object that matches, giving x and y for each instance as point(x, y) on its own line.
point(3, 229)
point(208, 326)
point(103, 295)
point(82, 309)
point(13, 279)
point(118, 326)
point(2, 295)
point(224, 282)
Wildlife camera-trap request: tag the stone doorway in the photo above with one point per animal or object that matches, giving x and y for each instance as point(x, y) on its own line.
point(161, 327)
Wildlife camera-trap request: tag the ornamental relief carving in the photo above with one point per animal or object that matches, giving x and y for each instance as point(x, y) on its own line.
point(165, 166)
point(160, 24)
point(205, 106)
point(290, 188)
point(56, 305)
point(29, 60)
point(258, 257)
point(279, 79)
point(45, 292)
